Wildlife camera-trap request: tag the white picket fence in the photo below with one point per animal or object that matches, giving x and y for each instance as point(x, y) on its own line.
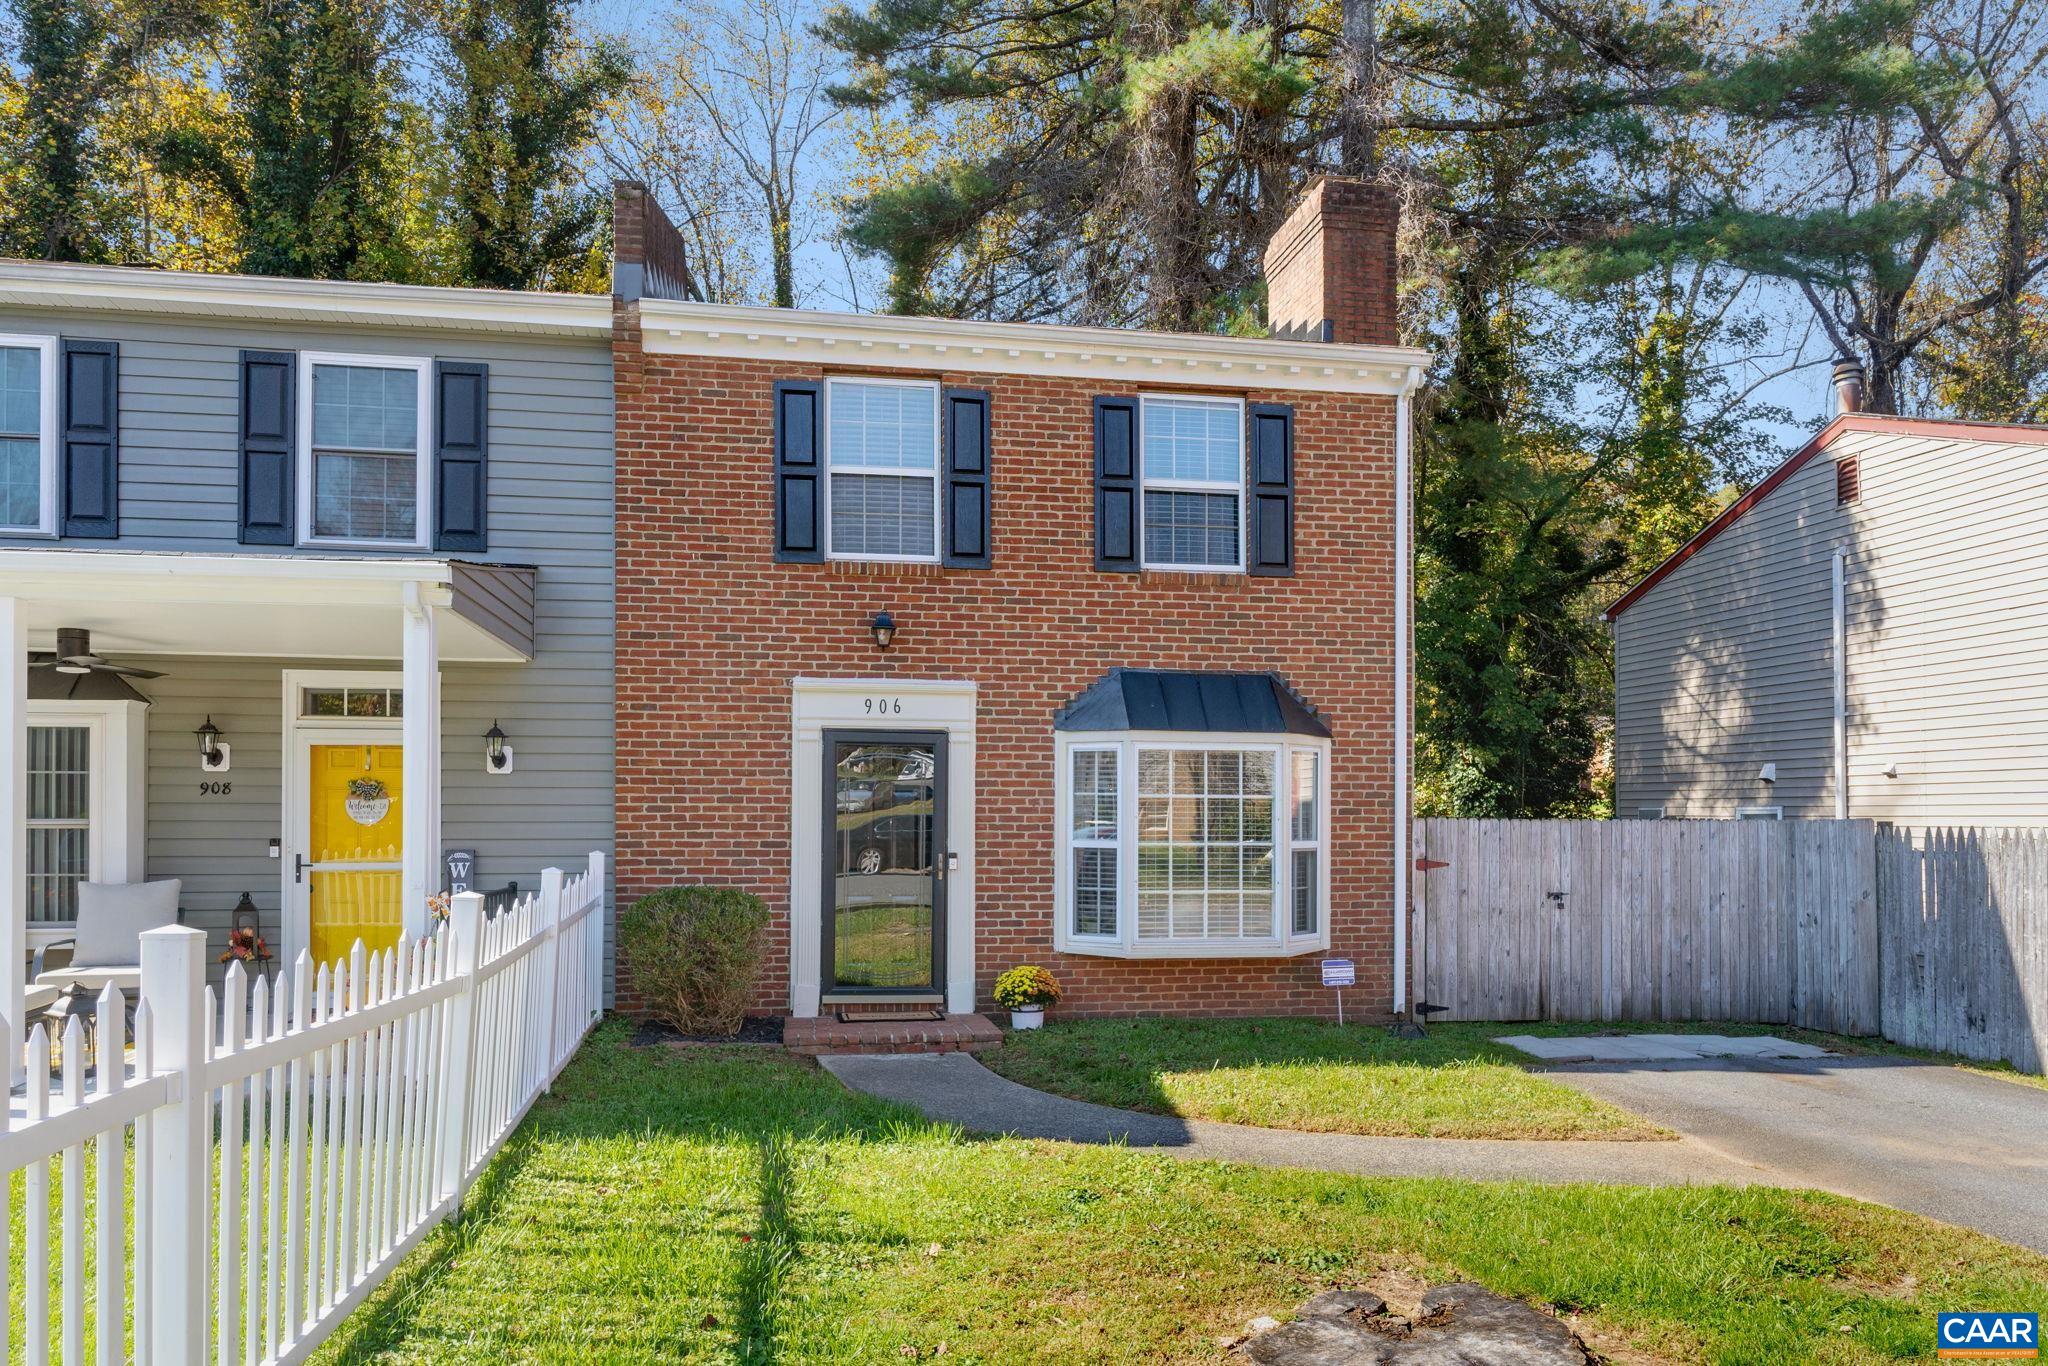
point(289, 1146)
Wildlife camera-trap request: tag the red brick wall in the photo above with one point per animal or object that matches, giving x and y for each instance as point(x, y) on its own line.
point(711, 631)
point(643, 239)
point(1334, 259)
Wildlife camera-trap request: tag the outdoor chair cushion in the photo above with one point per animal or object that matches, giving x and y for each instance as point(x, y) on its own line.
point(112, 917)
point(127, 981)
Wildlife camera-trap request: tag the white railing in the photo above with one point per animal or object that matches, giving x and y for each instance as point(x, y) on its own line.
point(289, 1145)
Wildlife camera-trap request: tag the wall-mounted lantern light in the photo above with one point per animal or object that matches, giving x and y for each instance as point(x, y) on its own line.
point(883, 629)
point(213, 755)
point(497, 754)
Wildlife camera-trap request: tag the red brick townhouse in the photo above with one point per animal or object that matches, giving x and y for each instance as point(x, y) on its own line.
point(968, 645)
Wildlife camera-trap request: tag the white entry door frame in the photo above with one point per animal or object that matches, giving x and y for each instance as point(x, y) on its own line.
point(301, 734)
point(868, 704)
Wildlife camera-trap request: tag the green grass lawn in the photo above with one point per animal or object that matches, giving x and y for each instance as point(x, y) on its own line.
point(883, 946)
point(1312, 1075)
point(1317, 1076)
point(729, 1204)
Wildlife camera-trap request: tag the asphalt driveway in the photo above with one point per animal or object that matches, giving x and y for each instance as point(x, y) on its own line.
point(1953, 1145)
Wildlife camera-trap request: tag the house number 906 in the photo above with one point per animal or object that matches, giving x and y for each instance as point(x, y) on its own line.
point(884, 706)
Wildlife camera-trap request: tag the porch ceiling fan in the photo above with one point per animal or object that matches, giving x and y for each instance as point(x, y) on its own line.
point(74, 656)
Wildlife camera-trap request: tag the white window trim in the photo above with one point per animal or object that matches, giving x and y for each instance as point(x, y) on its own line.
point(1319, 846)
point(46, 522)
point(116, 798)
point(1760, 813)
point(1649, 813)
point(423, 487)
point(1236, 487)
point(298, 733)
point(1126, 943)
point(916, 704)
point(938, 459)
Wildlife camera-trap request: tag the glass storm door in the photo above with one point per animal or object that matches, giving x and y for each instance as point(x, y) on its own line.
point(885, 861)
point(354, 876)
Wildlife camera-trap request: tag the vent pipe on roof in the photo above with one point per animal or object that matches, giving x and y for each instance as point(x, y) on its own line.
point(1848, 386)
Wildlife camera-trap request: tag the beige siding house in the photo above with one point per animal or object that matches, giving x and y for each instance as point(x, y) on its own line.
point(1865, 634)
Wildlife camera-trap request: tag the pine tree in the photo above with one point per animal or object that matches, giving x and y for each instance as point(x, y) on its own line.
point(523, 101)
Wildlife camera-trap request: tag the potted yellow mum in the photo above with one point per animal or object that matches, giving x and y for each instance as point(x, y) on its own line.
point(1026, 992)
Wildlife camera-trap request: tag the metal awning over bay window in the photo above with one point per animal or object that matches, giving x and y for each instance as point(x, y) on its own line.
point(71, 759)
point(1193, 818)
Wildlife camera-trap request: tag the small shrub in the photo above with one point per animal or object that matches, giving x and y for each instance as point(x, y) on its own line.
point(1027, 986)
point(693, 953)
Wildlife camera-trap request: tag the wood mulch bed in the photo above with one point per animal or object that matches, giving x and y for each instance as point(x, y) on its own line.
point(764, 1029)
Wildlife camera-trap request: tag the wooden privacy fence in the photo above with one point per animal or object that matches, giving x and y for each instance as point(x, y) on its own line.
point(1963, 917)
point(262, 1158)
point(1933, 938)
point(1766, 921)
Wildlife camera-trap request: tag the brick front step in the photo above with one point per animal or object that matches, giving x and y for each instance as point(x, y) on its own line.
point(826, 1034)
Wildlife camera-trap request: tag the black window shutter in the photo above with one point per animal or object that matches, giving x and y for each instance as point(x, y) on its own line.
point(799, 470)
point(1270, 486)
point(461, 451)
point(967, 475)
point(269, 426)
point(1116, 484)
point(92, 439)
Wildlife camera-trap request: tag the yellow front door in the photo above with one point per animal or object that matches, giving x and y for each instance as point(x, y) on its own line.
point(357, 831)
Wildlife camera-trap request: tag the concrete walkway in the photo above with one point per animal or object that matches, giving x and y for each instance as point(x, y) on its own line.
point(953, 1087)
point(1953, 1145)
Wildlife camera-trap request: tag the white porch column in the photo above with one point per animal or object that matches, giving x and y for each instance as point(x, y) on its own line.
point(422, 740)
point(13, 817)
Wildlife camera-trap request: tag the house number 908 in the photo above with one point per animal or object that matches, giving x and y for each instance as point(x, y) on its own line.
point(216, 789)
point(884, 706)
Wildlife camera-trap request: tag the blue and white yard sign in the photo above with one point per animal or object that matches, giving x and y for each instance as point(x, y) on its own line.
point(1980, 1335)
point(1339, 972)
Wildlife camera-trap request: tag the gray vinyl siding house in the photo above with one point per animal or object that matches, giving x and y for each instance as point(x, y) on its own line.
point(1725, 658)
point(532, 609)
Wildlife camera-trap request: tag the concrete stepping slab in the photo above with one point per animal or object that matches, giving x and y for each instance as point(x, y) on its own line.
point(1658, 1047)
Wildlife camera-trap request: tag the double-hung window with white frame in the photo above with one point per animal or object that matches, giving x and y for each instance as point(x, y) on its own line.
point(1172, 847)
point(61, 799)
point(1191, 458)
point(28, 436)
point(882, 469)
point(86, 765)
point(365, 442)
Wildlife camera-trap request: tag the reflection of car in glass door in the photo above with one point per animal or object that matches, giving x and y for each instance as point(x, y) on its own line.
point(896, 840)
point(886, 825)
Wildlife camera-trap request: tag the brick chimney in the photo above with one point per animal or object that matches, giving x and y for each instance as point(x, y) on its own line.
point(647, 252)
point(1330, 267)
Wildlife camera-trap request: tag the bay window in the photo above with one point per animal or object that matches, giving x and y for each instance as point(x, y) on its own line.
point(1174, 847)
